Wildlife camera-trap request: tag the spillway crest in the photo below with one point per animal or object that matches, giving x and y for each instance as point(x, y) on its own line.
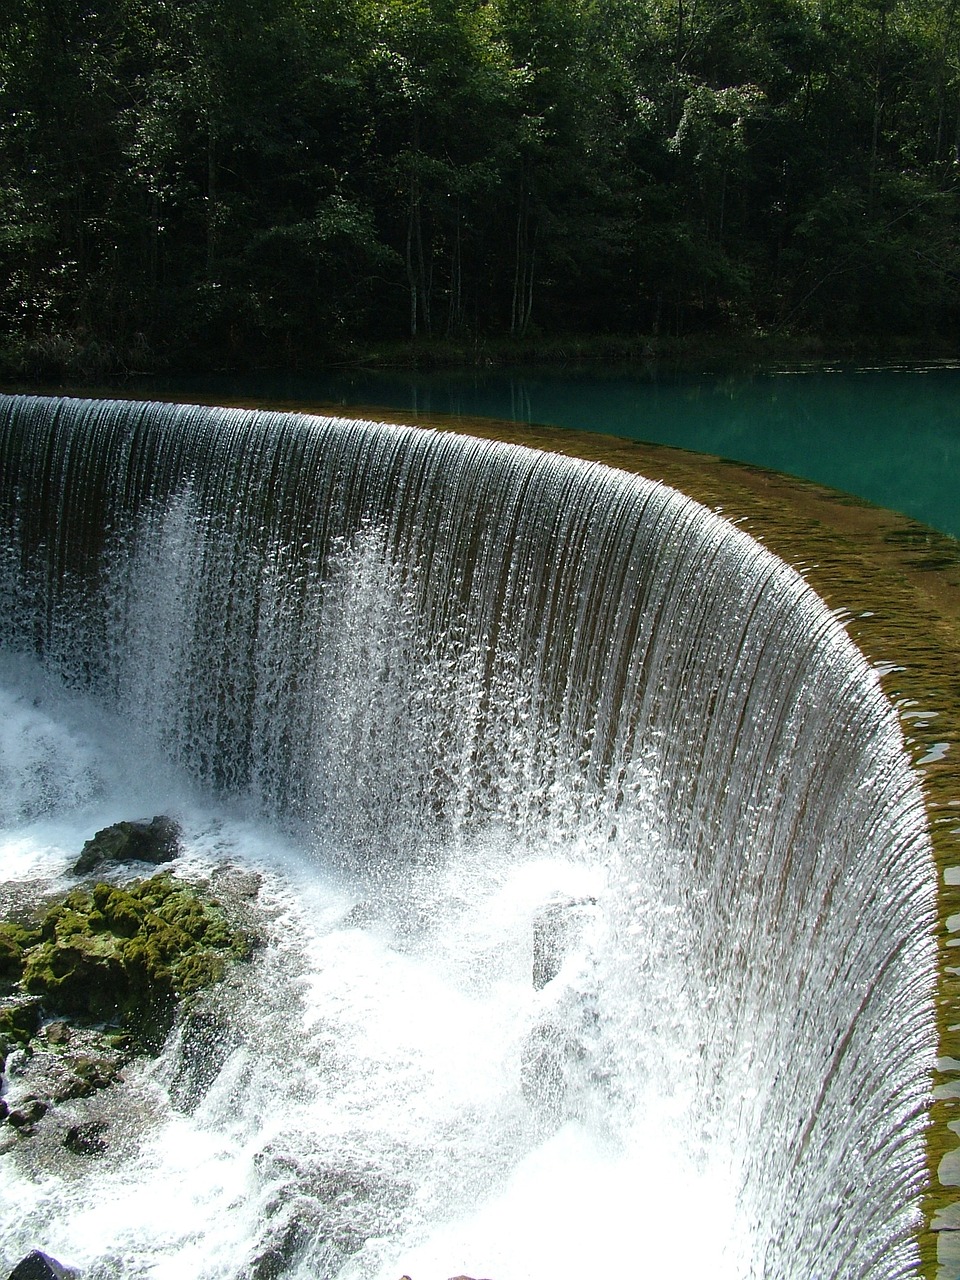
point(399, 644)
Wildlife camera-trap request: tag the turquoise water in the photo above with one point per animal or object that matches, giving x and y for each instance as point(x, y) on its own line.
point(889, 435)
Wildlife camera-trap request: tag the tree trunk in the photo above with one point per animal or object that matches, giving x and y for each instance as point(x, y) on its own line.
point(524, 271)
point(212, 197)
point(455, 311)
point(877, 104)
point(418, 274)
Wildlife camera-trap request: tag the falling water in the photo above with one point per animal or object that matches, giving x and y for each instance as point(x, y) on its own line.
point(430, 689)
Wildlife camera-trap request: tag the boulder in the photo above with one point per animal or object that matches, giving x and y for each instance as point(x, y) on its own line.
point(12, 941)
point(87, 1139)
point(20, 1018)
point(101, 977)
point(557, 928)
point(126, 956)
point(156, 841)
point(97, 981)
point(40, 1266)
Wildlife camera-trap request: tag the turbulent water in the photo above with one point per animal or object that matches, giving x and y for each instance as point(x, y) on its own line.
point(592, 876)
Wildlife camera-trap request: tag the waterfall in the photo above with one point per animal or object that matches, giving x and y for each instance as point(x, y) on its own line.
point(401, 647)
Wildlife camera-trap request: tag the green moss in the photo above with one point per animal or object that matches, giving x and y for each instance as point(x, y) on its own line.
point(156, 841)
point(19, 1020)
point(127, 956)
point(14, 940)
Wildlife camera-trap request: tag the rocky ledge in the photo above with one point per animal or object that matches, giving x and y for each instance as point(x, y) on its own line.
point(96, 980)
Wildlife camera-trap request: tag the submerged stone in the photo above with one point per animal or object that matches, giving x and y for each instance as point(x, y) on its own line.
point(87, 1139)
point(156, 842)
point(556, 930)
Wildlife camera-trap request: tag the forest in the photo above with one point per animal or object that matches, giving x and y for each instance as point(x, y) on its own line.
point(281, 183)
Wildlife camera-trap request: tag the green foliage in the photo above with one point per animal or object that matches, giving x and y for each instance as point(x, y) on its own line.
point(235, 182)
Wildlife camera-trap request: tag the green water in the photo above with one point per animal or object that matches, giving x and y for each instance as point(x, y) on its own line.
point(889, 435)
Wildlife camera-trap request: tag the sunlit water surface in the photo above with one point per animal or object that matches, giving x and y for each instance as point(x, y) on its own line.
point(889, 434)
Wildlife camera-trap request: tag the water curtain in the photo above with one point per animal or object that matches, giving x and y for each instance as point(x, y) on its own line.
point(392, 640)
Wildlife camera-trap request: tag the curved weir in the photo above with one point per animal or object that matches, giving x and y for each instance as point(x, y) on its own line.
point(405, 648)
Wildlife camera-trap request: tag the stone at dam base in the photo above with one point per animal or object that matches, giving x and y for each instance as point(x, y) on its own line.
point(155, 842)
point(40, 1266)
point(95, 981)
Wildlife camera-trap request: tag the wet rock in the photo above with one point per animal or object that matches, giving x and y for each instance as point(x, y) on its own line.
point(323, 1207)
point(19, 1020)
point(156, 842)
point(283, 1245)
point(27, 1113)
point(557, 1060)
point(543, 1070)
point(363, 915)
point(556, 929)
point(39, 1078)
point(237, 894)
point(91, 1061)
point(236, 884)
point(87, 1139)
point(127, 956)
point(13, 939)
point(40, 1266)
point(206, 1040)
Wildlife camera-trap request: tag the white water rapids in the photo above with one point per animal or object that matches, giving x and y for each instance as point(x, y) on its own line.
point(404, 691)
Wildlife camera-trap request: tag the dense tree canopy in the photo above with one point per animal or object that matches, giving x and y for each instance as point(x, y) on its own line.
point(268, 181)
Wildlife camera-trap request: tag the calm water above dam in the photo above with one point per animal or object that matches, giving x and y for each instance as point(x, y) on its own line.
point(889, 435)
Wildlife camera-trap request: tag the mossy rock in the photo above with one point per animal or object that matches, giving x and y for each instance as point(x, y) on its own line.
point(20, 1018)
point(14, 940)
point(127, 956)
point(155, 841)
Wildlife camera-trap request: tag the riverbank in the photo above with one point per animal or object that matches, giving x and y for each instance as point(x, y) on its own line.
point(735, 349)
point(70, 362)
